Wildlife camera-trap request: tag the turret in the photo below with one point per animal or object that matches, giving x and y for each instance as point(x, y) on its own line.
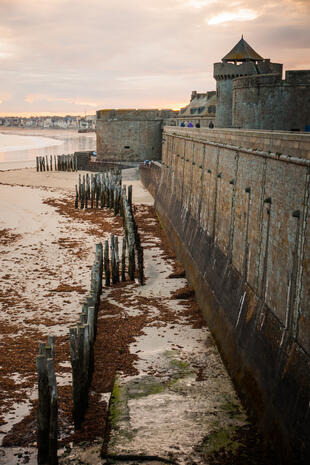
point(242, 60)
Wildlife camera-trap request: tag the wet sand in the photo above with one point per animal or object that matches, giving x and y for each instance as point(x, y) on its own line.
point(46, 254)
point(62, 181)
point(44, 274)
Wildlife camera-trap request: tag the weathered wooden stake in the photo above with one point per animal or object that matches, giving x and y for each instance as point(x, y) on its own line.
point(76, 205)
point(130, 196)
point(53, 423)
point(113, 262)
point(47, 404)
point(43, 411)
point(116, 260)
point(107, 263)
point(92, 191)
point(76, 381)
point(124, 259)
point(140, 258)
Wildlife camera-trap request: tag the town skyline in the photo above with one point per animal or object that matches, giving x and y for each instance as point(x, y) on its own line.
point(86, 122)
point(71, 57)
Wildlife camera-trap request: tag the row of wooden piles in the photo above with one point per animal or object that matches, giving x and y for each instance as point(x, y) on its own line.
point(99, 190)
point(82, 339)
point(102, 190)
point(107, 265)
point(57, 163)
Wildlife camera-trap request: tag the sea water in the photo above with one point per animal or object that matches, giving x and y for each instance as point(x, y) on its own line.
point(19, 149)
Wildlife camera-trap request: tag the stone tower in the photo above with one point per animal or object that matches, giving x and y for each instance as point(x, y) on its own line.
point(130, 134)
point(242, 60)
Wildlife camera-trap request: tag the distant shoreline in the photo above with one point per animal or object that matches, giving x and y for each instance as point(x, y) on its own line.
point(36, 131)
point(66, 141)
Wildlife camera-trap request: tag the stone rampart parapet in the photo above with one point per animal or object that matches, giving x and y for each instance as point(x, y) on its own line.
point(290, 144)
point(134, 114)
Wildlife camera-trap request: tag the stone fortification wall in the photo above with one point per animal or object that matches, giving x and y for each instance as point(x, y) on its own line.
point(224, 73)
point(133, 135)
point(265, 101)
point(277, 143)
point(239, 221)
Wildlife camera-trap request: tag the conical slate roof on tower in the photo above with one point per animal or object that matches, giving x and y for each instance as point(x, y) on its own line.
point(242, 51)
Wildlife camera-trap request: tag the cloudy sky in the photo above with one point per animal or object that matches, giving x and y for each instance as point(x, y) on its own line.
point(76, 56)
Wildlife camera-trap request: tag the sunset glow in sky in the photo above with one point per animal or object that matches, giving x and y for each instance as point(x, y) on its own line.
point(76, 56)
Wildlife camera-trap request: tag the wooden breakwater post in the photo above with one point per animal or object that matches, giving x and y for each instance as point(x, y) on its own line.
point(79, 351)
point(99, 258)
point(140, 256)
point(66, 162)
point(97, 189)
point(61, 163)
point(76, 204)
point(82, 192)
point(101, 190)
point(92, 192)
point(116, 267)
point(107, 264)
point(82, 338)
point(87, 191)
point(130, 196)
point(114, 259)
point(130, 235)
point(124, 259)
point(40, 162)
point(47, 414)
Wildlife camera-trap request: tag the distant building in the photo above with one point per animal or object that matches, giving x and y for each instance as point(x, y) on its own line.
point(49, 122)
point(201, 109)
point(88, 123)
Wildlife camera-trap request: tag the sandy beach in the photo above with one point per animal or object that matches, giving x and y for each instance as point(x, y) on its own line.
point(47, 248)
point(45, 257)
